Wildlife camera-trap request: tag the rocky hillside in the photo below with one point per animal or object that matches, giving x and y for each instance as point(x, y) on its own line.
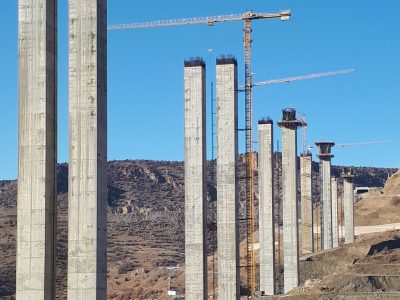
point(145, 223)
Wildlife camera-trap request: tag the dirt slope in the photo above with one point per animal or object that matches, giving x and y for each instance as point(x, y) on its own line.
point(380, 206)
point(367, 269)
point(392, 185)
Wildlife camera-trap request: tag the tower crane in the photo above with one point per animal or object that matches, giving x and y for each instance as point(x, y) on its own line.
point(247, 17)
point(303, 123)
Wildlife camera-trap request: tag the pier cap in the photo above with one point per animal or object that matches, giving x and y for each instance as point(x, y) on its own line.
point(226, 60)
point(347, 175)
point(289, 118)
point(266, 120)
point(194, 62)
point(325, 148)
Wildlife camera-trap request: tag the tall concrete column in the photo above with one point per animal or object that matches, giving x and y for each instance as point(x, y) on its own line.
point(227, 181)
point(348, 199)
point(37, 149)
point(266, 206)
point(195, 180)
point(325, 157)
point(307, 229)
point(335, 223)
point(289, 126)
point(87, 182)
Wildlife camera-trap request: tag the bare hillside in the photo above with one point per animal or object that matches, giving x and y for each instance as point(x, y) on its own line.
point(145, 225)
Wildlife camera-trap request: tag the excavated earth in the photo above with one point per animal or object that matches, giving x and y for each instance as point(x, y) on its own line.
point(366, 269)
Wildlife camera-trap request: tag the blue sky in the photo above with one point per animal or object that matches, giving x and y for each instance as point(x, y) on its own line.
point(145, 102)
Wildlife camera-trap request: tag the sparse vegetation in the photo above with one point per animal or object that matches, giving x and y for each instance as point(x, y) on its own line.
point(145, 226)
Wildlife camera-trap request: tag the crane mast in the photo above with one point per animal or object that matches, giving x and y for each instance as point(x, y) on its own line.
point(249, 159)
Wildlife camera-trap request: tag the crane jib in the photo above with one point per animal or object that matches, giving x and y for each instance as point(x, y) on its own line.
point(284, 15)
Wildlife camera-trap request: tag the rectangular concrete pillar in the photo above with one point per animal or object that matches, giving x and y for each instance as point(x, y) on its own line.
point(289, 126)
point(325, 157)
point(266, 206)
point(227, 181)
point(335, 224)
point(195, 180)
point(348, 199)
point(87, 182)
point(307, 229)
point(37, 149)
point(327, 203)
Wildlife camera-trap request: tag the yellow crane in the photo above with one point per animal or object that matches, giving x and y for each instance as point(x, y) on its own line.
point(247, 17)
